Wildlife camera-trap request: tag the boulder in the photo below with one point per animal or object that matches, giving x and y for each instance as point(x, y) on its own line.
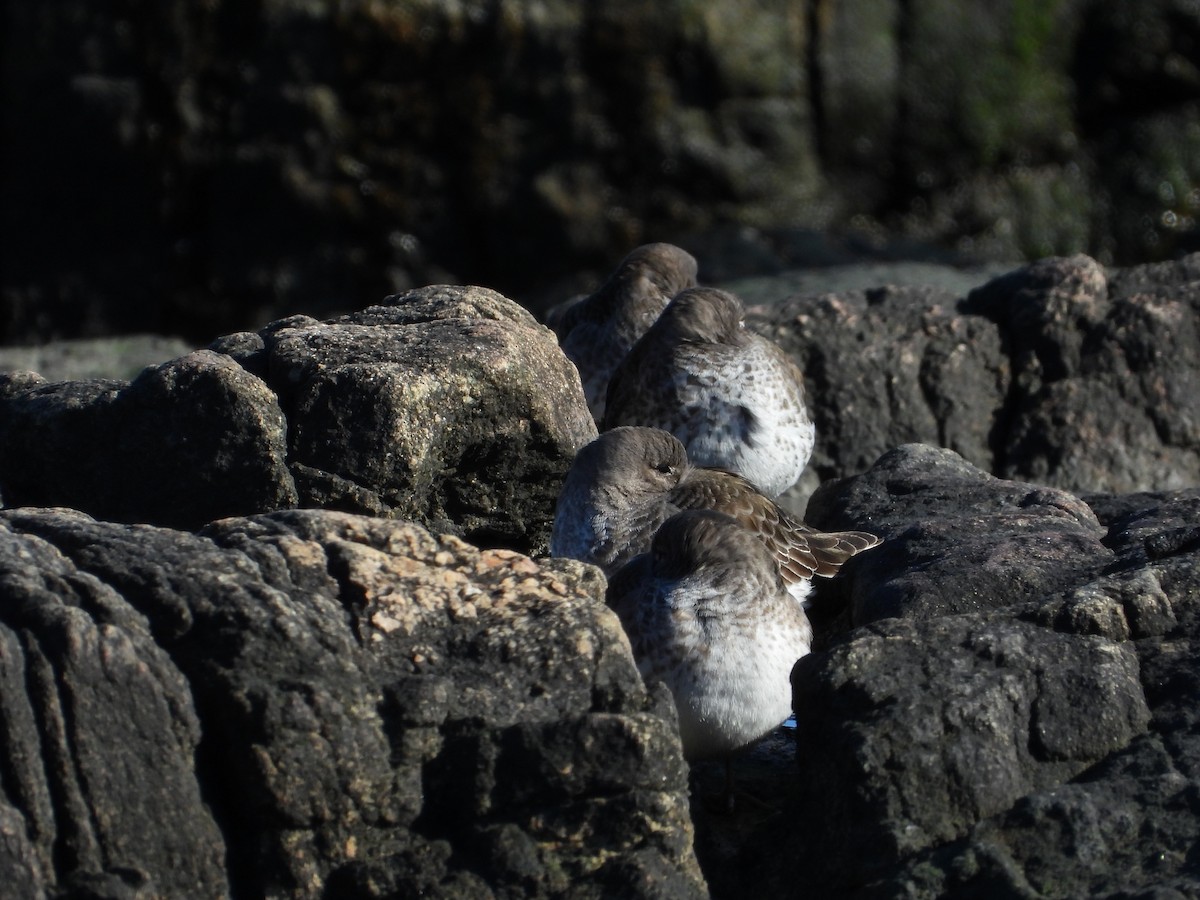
point(889, 365)
point(1106, 383)
point(100, 736)
point(1038, 743)
point(1127, 825)
point(185, 442)
point(1061, 373)
point(447, 405)
point(314, 704)
point(1001, 698)
point(950, 530)
point(913, 732)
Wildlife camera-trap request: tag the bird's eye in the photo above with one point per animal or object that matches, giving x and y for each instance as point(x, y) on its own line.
point(665, 468)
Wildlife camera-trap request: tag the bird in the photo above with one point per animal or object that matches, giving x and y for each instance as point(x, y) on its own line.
point(733, 397)
point(596, 332)
point(622, 486)
point(707, 612)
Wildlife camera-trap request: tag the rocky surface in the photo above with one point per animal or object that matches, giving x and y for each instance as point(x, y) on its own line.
point(1061, 372)
point(1002, 698)
point(185, 442)
point(198, 171)
point(1034, 739)
point(450, 406)
point(917, 574)
point(1006, 732)
point(314, 704)
point(317, 701)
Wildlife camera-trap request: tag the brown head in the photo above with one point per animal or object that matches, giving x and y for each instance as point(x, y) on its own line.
point(641, 285)
point(631, 461)
point(664, 267)
point(703, 315)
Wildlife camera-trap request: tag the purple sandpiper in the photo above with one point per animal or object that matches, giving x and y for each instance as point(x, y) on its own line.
point(733, 397)
point(623, 485)
point(599, 330)
point(707, 613)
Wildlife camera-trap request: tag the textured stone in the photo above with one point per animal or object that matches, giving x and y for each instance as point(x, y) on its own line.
point(1061, 373)
point(957, 539)
point(383, 712)
point(449, 405)
point(100, 737)
point(1106, 388)
point(1043, 747)
point(1126, 827)
point(185, 442)
point(936, 726)
point(889, 365)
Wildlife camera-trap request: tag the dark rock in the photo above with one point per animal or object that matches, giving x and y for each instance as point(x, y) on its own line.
point(1048, 308)
point(1044, 374)
point(915, 731)
point(1044, 746)
point(100, 734)
point(1118, 607)
point(1177, 273)
point(1124, 829)
point(1003, 704)
point(1111, 507)
point(248, 162)
point(887, 366)
point(1106, 390)
point(449, 405)
point(314, 702)
point(950, 531)
point(184, 443)
point(1163, 528)
point(1127, 826)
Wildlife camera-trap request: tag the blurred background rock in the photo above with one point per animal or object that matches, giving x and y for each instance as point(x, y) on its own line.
point(195, 168)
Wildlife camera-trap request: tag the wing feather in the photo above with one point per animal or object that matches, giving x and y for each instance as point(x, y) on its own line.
point(800, 550)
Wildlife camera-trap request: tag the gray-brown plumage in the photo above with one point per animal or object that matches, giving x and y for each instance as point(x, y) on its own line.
point(707, 612)
point(626, 483)
point(599, 330)
point(734, 398)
